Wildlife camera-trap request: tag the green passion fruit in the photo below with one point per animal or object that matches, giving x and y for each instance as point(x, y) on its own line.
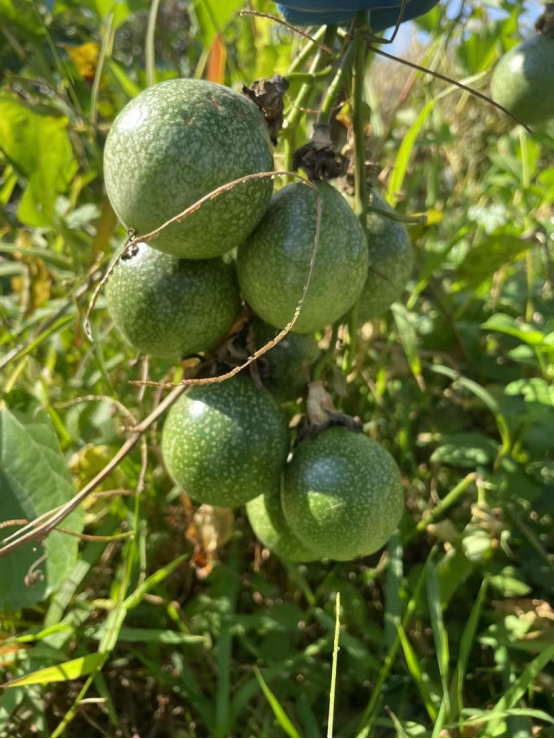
point(167, 307)
point(268, 522)
point(177, 142)
point(226, 443)
point(342, 494)
point(523, 80)
point(288, 364)
point(391, 262)
point(274, 262)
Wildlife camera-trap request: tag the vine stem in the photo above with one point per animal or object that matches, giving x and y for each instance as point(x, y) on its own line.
point(320, 61)
point(361, 200)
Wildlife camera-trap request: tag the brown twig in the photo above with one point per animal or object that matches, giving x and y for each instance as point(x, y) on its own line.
point(281, 335)
point(38, 533)
point(292, 28)
point(451, 81)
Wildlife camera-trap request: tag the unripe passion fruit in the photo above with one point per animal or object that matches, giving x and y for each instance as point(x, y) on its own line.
point(226, 443)
point(523, 81)
point(170, 307)
point(342, 494)
point(273, 264)
point(268, 522)
point(175, 143)
point(391, 261)
point(288, 363)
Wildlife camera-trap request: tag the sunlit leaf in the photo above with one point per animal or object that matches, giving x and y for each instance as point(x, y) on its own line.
point(38, 146)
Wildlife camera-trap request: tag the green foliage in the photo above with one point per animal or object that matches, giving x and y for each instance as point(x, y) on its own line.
point(33, 479)
point(171, 608)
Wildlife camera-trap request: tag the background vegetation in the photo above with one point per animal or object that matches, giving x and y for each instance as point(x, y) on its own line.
point(160, 619)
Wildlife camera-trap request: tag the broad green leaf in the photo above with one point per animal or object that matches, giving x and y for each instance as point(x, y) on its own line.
point(492, 253)
point(408, 338)
point(34, 478)
point(534, 390)
point(505, 324)
point(38, 147)
point(478, 50)
point(466, 450)
point(214, 16)
point(71, 670)
point(22, 15)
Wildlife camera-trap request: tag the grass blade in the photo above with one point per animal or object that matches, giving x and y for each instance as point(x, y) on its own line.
point(414, 667)
point(278, 711)
point(439, 633)
point(71, 670)
point(334, 671)
point(408, 339)
point(392, 589)
point(466, 644)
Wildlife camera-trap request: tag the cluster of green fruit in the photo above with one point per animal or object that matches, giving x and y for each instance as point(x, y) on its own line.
point(523, 81)
point(227, 444)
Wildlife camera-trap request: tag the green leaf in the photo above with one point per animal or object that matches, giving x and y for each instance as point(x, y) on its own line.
point(71, 670)
point(135, 598)
point(284, 721)
point(23, 17)
point(34, 478)
point(466, 450)
point(492, 253)
point(525, 681)
point(404, 155)
point(414, 666)
point(38, 146)
point(466, 645)
point(214, 16)
point(439, 631)
point(505, 324)
point(534, 390)
point(408, 338)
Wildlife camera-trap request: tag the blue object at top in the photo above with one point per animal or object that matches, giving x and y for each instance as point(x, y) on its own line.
point(384, 13)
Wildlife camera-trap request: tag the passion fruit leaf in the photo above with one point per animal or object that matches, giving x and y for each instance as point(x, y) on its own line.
point(37, 144)
point(34, 478)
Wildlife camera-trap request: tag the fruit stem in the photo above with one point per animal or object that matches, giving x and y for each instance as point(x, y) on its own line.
point(360, 177)
point(326, 358)
point(296, 113)
point(306, 52)
point(361, 200)
point(336, 85)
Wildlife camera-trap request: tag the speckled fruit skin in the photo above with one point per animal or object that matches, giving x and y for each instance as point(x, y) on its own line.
point(288, 363)
point(391, 261)
point(171, 307)
point(226, 443)
point(176, 142)
point(342, 494)
point(267, 519)
point(523, 81)
point(273, 263)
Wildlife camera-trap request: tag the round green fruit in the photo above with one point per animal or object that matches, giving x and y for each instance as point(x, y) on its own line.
point(274, 262)
point(286, 367)
point(227, 443)
point(177, 142)
point(523, 80)
point(170, 307)
point(268, 522)
point(391, 260)
point(342, 494)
